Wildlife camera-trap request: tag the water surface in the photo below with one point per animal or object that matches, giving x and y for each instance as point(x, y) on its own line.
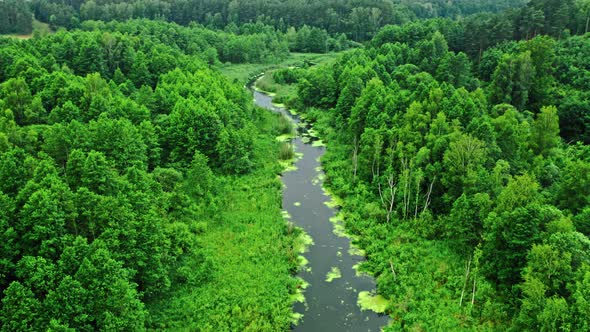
point(329, 306)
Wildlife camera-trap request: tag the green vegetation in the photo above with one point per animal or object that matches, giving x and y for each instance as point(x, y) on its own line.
point(456, 169)
point(359, 20)
point(334, 273)
point(138, 188)
point(243, 73)
point(367, 301)
point(15, 17)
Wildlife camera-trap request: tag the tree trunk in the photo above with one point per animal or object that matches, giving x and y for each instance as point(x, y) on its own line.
point(465, 283)
point(473, 293)
point(355, 159)
point(392, 270)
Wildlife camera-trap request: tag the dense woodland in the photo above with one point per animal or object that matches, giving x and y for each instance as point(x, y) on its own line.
point(139, 190)
point(464, 173)
point(359, 20)
point(124, 163)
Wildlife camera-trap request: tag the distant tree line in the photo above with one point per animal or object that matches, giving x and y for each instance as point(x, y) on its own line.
point(15, 17)
point(359, 20)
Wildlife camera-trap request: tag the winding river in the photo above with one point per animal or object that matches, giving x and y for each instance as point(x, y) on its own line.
point(333, 291)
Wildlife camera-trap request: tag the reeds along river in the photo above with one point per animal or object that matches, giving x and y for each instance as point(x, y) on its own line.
point(332, 296)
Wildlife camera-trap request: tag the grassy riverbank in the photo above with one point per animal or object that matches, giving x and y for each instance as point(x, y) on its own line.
point(241, 73)
point(252, 252)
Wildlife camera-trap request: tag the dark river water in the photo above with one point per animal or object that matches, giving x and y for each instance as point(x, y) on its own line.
point(329, 306)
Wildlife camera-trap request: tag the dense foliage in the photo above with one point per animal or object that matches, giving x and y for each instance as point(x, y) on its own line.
point(359, 20)
point(15, 17)
point(461, 176)
point(138, 186)
point(133, 179)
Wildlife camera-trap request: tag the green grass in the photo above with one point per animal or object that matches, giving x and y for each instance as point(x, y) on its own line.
point(282, 92)
point(252, 250)
point(241, 73)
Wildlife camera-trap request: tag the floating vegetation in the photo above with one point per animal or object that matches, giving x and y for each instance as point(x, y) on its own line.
point(333, 274)
point(316, 180)
point(297, 203)
point(302, 242)
point(355, 251)
point(296, 317)
point(287, 165)
point(317, 143)
point(368, 301)
point(305, 139)
point(335, 201)
point(338, 222)
point(339, 230)
point(285, 137)
point(302, 262)
point(285, 214)
point(337, 218)
point(268, 93)
point(359, 273)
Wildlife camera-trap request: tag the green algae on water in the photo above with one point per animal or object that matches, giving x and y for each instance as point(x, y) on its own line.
point(317, 143)
point(285, 137)
point(368, 301)
point(355, 251)
point(302, 242)
point(333, 274)
point(358, 273)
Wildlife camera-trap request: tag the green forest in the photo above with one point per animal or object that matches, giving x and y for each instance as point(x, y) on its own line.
point(140, 186)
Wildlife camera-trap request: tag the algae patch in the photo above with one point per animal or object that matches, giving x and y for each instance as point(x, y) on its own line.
point(296, 317)
point(338, 223)
point(285, 137)
point(358, 273)
point(333, 274)
point(285, 214)
point(355, 251)
point(297, 203)
point(335, 201)
point(302, 242)
point(368, 301)
point(317, 143)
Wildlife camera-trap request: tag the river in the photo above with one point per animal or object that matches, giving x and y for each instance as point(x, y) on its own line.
point(332, 294)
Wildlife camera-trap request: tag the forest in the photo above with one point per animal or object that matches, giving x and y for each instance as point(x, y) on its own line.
point(125, 163)
point(140, 187)
point(464, 171)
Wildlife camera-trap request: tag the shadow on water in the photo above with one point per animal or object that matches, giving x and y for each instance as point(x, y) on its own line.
point(332, 295)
